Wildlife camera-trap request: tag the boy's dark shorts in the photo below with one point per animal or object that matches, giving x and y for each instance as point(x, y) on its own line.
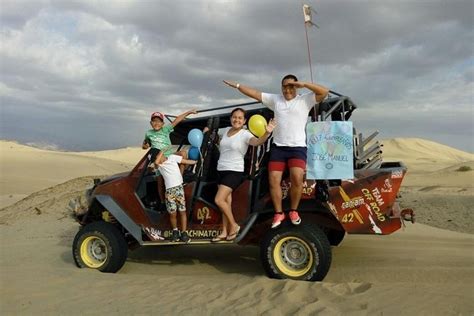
point(231, 179)
point(281, 156)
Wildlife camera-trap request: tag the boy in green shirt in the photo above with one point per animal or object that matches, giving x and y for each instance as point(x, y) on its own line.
point(159, 137)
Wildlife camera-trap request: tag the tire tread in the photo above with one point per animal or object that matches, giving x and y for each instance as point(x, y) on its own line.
point(313, 234)
point(115, 239)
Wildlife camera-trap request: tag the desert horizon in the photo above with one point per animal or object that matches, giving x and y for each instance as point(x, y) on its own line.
point(417, 265)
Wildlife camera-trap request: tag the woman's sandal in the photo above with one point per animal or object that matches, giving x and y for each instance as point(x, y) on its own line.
point(232, 236)
point(219, 238)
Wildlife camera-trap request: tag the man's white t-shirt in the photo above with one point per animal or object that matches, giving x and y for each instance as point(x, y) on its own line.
point(291, 117)
point(169, 169)
point(232, 150)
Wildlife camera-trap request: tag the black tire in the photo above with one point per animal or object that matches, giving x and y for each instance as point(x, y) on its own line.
point(296, 252)
point(101, 246)
point(335, 236)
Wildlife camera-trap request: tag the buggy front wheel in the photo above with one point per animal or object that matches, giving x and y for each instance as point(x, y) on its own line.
point(296, 252)
point(100, 246)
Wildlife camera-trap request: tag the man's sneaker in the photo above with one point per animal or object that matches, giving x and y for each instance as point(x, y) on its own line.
point(175, 235)
point(295, 218)
point(277, 219)
point(184, 237)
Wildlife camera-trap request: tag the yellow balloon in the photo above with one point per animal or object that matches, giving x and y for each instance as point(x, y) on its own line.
point(257, 125)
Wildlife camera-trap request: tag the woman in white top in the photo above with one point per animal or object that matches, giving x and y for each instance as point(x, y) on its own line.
point(230, 167)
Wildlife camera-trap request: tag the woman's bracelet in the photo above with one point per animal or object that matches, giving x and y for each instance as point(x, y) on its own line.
point(237, 86)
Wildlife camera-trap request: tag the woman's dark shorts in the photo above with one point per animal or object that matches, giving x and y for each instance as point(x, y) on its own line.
point(231, 179)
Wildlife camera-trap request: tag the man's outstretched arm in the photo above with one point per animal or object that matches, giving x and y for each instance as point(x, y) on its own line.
point(248, 91)
point(319, 91)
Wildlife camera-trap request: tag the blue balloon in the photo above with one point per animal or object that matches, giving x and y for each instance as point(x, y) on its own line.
point(195, 137)
point(193, 153)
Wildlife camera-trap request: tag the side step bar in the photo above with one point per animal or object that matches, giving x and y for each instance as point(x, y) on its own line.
point(241, 235)
point(192, 242)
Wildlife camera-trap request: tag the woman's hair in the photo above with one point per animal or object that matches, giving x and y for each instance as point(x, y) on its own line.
point(238, 109)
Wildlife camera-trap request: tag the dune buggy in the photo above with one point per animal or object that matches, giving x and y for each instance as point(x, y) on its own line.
point(121, 213)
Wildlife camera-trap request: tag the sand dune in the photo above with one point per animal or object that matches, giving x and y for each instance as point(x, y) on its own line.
point(447, 177)
point(129, 155)
point(422, 155)
point(420, 270)
point(435, 187)
point(25, 170)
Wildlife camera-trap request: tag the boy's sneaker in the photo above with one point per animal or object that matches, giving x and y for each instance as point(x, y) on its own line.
point(184, 237)
point(175, 235)
point(295, 218)
point(277, 219)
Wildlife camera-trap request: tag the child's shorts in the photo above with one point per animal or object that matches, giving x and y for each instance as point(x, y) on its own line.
point(175, 200)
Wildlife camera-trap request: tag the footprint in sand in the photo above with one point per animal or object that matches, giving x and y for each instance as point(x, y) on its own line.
point(358, 288)
point(344, 289)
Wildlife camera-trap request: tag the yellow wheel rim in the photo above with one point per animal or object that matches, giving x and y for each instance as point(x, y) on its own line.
point(293, 256)
point(93, 252)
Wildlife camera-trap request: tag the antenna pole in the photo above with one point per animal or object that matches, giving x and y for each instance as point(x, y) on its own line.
point(308, 23)
point(309, 52)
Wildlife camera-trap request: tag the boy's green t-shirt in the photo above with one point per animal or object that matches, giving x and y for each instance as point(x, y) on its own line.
point(161, 139)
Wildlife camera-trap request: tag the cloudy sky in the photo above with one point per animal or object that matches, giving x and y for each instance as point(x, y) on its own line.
point(85, 75)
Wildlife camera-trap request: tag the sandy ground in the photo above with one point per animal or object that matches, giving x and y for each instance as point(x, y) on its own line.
point(441, 195)
point(421, 270)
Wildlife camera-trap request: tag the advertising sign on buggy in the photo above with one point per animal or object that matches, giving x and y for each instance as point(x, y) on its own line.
point(368, 206)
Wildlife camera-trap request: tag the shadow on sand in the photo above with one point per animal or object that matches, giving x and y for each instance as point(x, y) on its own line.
point(225, 258)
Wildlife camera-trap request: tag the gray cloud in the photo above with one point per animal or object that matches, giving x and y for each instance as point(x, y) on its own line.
point(87, 68)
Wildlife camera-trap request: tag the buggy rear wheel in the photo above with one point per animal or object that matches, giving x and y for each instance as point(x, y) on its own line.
point(296, 253)
point(100, 246)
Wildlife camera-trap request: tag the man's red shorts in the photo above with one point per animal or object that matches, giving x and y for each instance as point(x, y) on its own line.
point(281, 156)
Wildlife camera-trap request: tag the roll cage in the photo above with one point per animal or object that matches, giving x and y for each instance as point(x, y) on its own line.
point(335, 108)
